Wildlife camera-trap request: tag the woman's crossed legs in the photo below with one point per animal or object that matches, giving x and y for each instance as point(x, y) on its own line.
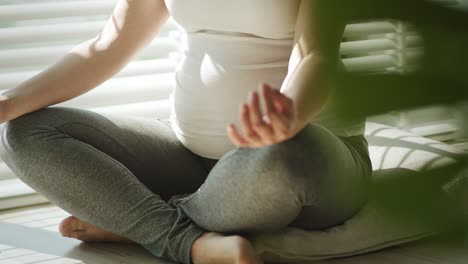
point(118, 174)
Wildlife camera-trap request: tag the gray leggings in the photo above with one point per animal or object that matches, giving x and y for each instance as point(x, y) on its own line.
point(131, 176)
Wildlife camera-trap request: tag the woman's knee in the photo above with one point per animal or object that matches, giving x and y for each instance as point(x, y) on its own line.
point(251, 190)
point(13, 135)
point(292, 161)
point(289, 168)
point(22, 135)
point(16, 132)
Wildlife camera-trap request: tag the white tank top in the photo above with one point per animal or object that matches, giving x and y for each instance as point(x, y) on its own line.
point(230, 47)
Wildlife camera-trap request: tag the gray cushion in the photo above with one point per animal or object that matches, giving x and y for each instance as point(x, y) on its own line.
point(398, 210)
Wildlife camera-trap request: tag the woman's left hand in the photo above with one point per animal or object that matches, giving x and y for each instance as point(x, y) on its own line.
point(258, 130)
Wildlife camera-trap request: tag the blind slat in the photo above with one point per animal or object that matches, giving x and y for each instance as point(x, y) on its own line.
point(370, 63)
point(55, 9)
point(365, 29)
point(37, 56)
point(71, 32)
point(143, 67)
point(126, 90)
point(366, 46)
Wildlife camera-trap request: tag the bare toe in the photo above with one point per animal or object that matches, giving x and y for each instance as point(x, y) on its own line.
point(68, 226)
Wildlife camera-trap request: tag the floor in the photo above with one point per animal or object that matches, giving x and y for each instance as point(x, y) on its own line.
point(30, 236)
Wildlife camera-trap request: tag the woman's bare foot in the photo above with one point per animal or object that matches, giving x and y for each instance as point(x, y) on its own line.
point(217, 249)
point(207, 249)
point(86, 232)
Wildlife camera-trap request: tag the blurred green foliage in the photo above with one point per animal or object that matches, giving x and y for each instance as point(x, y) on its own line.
point(442, 78)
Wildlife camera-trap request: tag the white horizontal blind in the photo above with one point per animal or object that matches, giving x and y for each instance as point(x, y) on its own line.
point(35, 34)
point(373, 47)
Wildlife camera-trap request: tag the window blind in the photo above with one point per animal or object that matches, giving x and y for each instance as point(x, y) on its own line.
point(34, 34)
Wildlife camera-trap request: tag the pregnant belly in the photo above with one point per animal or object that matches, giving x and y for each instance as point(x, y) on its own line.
point(214, 78)
point(207, 98)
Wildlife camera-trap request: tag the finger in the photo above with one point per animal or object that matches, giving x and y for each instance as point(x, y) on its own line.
point(280, 125)
point(258, 124)
point(249, 133)
point(279, 122)
point(282, 103)
point(267, 98)
point(236, 137)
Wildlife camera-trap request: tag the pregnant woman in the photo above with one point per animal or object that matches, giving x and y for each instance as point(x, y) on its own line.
point(250, 146)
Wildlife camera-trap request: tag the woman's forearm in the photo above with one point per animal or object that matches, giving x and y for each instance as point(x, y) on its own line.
point(80, 70)
point(76, 73)
point(307, 86)
point(314, 58)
